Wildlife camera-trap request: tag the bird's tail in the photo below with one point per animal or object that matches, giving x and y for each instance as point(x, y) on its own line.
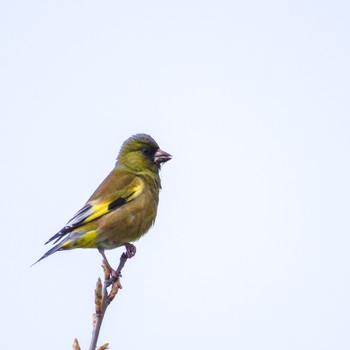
point(78, 239)
point(54, 249)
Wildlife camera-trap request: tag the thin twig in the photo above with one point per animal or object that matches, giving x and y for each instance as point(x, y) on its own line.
point(107, 297)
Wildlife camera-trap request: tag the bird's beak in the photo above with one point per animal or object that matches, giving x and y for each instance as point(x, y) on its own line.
point(161, 157)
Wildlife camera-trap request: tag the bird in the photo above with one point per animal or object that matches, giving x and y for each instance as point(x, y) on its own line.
point(123, 207)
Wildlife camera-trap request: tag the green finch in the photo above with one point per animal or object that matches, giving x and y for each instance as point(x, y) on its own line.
point(123, 207)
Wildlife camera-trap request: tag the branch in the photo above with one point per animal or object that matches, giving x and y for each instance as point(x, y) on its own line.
point(103, 297)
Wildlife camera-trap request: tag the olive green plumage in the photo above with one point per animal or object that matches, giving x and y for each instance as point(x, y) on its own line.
point(124, 206)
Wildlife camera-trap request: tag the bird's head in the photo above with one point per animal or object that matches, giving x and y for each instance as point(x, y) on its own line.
point(140, 153)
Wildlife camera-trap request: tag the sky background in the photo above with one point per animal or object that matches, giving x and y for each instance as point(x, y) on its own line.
point(251, 246)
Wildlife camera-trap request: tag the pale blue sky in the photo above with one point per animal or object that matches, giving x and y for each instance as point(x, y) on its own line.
point(251, 246)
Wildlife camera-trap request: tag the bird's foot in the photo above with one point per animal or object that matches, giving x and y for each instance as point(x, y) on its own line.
point(113, 277)
point(130, 250)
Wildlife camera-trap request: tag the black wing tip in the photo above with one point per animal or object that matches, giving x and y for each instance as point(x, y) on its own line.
point(59, 234)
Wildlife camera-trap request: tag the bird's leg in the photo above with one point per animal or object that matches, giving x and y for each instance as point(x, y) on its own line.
point(130, 250)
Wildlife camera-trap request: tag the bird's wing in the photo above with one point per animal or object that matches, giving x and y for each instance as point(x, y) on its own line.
point(97, 207)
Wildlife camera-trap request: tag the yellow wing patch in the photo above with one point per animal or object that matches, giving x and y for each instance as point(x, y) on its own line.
point(99, 209)
point(137, 189)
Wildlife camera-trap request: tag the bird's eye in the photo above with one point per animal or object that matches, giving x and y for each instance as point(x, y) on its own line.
point(147, 152)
